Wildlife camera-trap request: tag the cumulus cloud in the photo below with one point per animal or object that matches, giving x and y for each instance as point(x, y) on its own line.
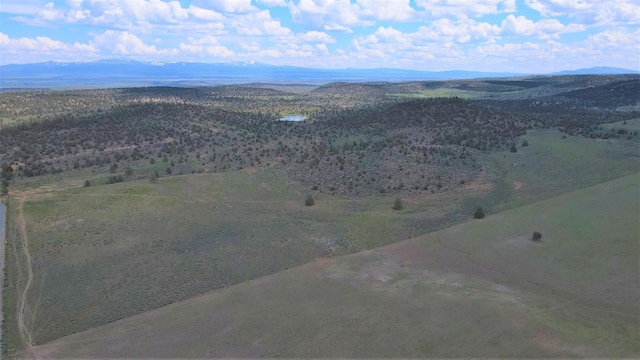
point(438, 8)
point(326, 14)
point(227, 6)
point(443, 34)
point(257, 24)
point(316, 36)
point(345, 14)
point(616, 39)
point(386, 10)
point(121, 14)
point(207, 46)
point(21, 7)
point(272, 3)
point(547, 28)
point(26, 49)
point(560, 7)
point(593, 12)
point(125, 43)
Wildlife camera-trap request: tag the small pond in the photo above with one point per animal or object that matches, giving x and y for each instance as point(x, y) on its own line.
point(293, 118)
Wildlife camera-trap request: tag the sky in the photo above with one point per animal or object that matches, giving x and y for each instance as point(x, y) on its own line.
point(522, 36)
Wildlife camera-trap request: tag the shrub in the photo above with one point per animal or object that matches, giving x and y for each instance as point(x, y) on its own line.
point(479, 214)
point(115, 179)
point(537, 236)
point(87, 183)
point(397, 205)
point(525, 143)
point(513, 148)
point(309, 200)
point(154, 177)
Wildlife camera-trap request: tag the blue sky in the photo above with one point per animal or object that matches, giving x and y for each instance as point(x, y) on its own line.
point(435, 35)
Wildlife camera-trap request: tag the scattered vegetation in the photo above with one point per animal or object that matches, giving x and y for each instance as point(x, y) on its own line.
point(362, 139)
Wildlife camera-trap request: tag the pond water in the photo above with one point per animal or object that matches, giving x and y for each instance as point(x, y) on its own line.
point(293, 118)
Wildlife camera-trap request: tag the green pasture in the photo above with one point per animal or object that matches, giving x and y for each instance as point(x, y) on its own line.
point(482, 288)
point(554, 163)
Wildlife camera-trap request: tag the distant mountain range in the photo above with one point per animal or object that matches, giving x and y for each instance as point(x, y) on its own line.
point(597, 71)
point(127, 72)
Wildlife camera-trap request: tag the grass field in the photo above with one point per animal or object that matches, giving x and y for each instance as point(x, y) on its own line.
point(551, 165)
point(105, 253)
point(482, 288)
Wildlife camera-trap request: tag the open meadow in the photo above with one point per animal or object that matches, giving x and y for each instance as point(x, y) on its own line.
point(481, 288)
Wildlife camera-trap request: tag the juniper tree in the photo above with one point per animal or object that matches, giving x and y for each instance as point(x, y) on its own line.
point(397, 205)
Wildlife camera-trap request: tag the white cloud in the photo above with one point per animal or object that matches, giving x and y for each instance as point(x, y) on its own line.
point(164, 17)
point(207, 46)
point(342, 15)
point(386, 10)
point(42, 48)
point(316, 36)
point(227, 6)
point(617, 39)
point(345, 14)
point(438, 8)
point(124, 43)
point(322, 48)
point(593, 12)
point(258, 23)
point(21, 7)
point(465, 30)
point(446, 34)
point(250, 46)
point(115, 14)
point(327, 15)
point(546, 28)
point(272, 3)
point(559, 7)
point(618, 48)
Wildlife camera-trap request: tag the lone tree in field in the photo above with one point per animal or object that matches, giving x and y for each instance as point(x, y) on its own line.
point(309, 200)
point(513, 148)
point(87, 183)
point(397, 205)
point(479, 214)
point(537, 236)
point(525, 143)
point(154, 176)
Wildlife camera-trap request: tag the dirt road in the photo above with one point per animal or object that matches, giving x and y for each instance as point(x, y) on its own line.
point(23, 309)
